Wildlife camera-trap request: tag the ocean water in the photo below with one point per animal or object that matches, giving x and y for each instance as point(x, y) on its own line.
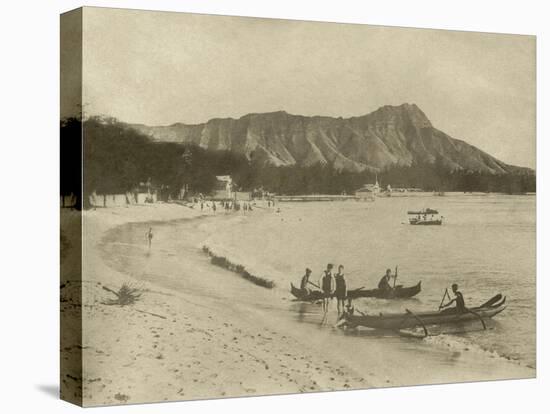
point(486, 245)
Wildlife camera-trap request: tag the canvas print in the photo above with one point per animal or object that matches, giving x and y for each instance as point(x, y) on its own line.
point(258, 206)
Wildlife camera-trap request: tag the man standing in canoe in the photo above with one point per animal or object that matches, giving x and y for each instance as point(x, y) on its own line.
point(340, 291)
point(326, 284)
point(460, 306)
point(384, 283)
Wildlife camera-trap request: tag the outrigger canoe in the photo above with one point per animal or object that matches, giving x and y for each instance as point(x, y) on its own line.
point(397, 321)
point(399, 292)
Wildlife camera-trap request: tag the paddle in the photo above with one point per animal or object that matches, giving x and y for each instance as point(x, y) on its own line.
point(446, 294)
point(395, 278)
point(311, 283)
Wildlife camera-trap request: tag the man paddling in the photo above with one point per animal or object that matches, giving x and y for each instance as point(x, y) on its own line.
point(384, 283)
point(460, 306)
point(326, 283)
point(305, 282)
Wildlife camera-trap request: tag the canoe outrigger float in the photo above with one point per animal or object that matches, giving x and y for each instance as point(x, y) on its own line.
point(398, 321)
point(399, 292)
point(421, 218)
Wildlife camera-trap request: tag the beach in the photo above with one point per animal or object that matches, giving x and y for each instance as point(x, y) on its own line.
point(174, 345)
point(202, 331)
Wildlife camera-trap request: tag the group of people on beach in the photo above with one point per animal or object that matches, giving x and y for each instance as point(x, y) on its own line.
point(335, 286)
point(227, 206)
point(332, 286)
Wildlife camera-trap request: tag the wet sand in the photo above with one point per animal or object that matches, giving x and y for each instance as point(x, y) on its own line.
point(190, 336)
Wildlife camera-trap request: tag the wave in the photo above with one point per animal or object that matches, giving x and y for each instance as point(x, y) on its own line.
point(461, 344)
point(224, 262)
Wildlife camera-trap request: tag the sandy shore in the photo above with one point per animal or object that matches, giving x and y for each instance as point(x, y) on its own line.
point(179, 342)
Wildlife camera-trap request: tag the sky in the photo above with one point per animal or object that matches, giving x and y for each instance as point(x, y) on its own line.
point(159, 68)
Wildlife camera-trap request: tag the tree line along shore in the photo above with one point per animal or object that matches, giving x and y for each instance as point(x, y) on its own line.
point(117, 158)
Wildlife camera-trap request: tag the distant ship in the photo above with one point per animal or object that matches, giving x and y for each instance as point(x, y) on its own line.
point(427, 217)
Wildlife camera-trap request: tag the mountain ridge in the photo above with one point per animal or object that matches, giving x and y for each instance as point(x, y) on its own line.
point(389, 136)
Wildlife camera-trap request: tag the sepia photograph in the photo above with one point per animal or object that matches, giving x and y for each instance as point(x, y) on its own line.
point(260, 206)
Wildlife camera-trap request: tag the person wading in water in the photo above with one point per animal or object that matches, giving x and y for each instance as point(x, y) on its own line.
point(326, 286)
point(149, 236)
point(340, 291)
